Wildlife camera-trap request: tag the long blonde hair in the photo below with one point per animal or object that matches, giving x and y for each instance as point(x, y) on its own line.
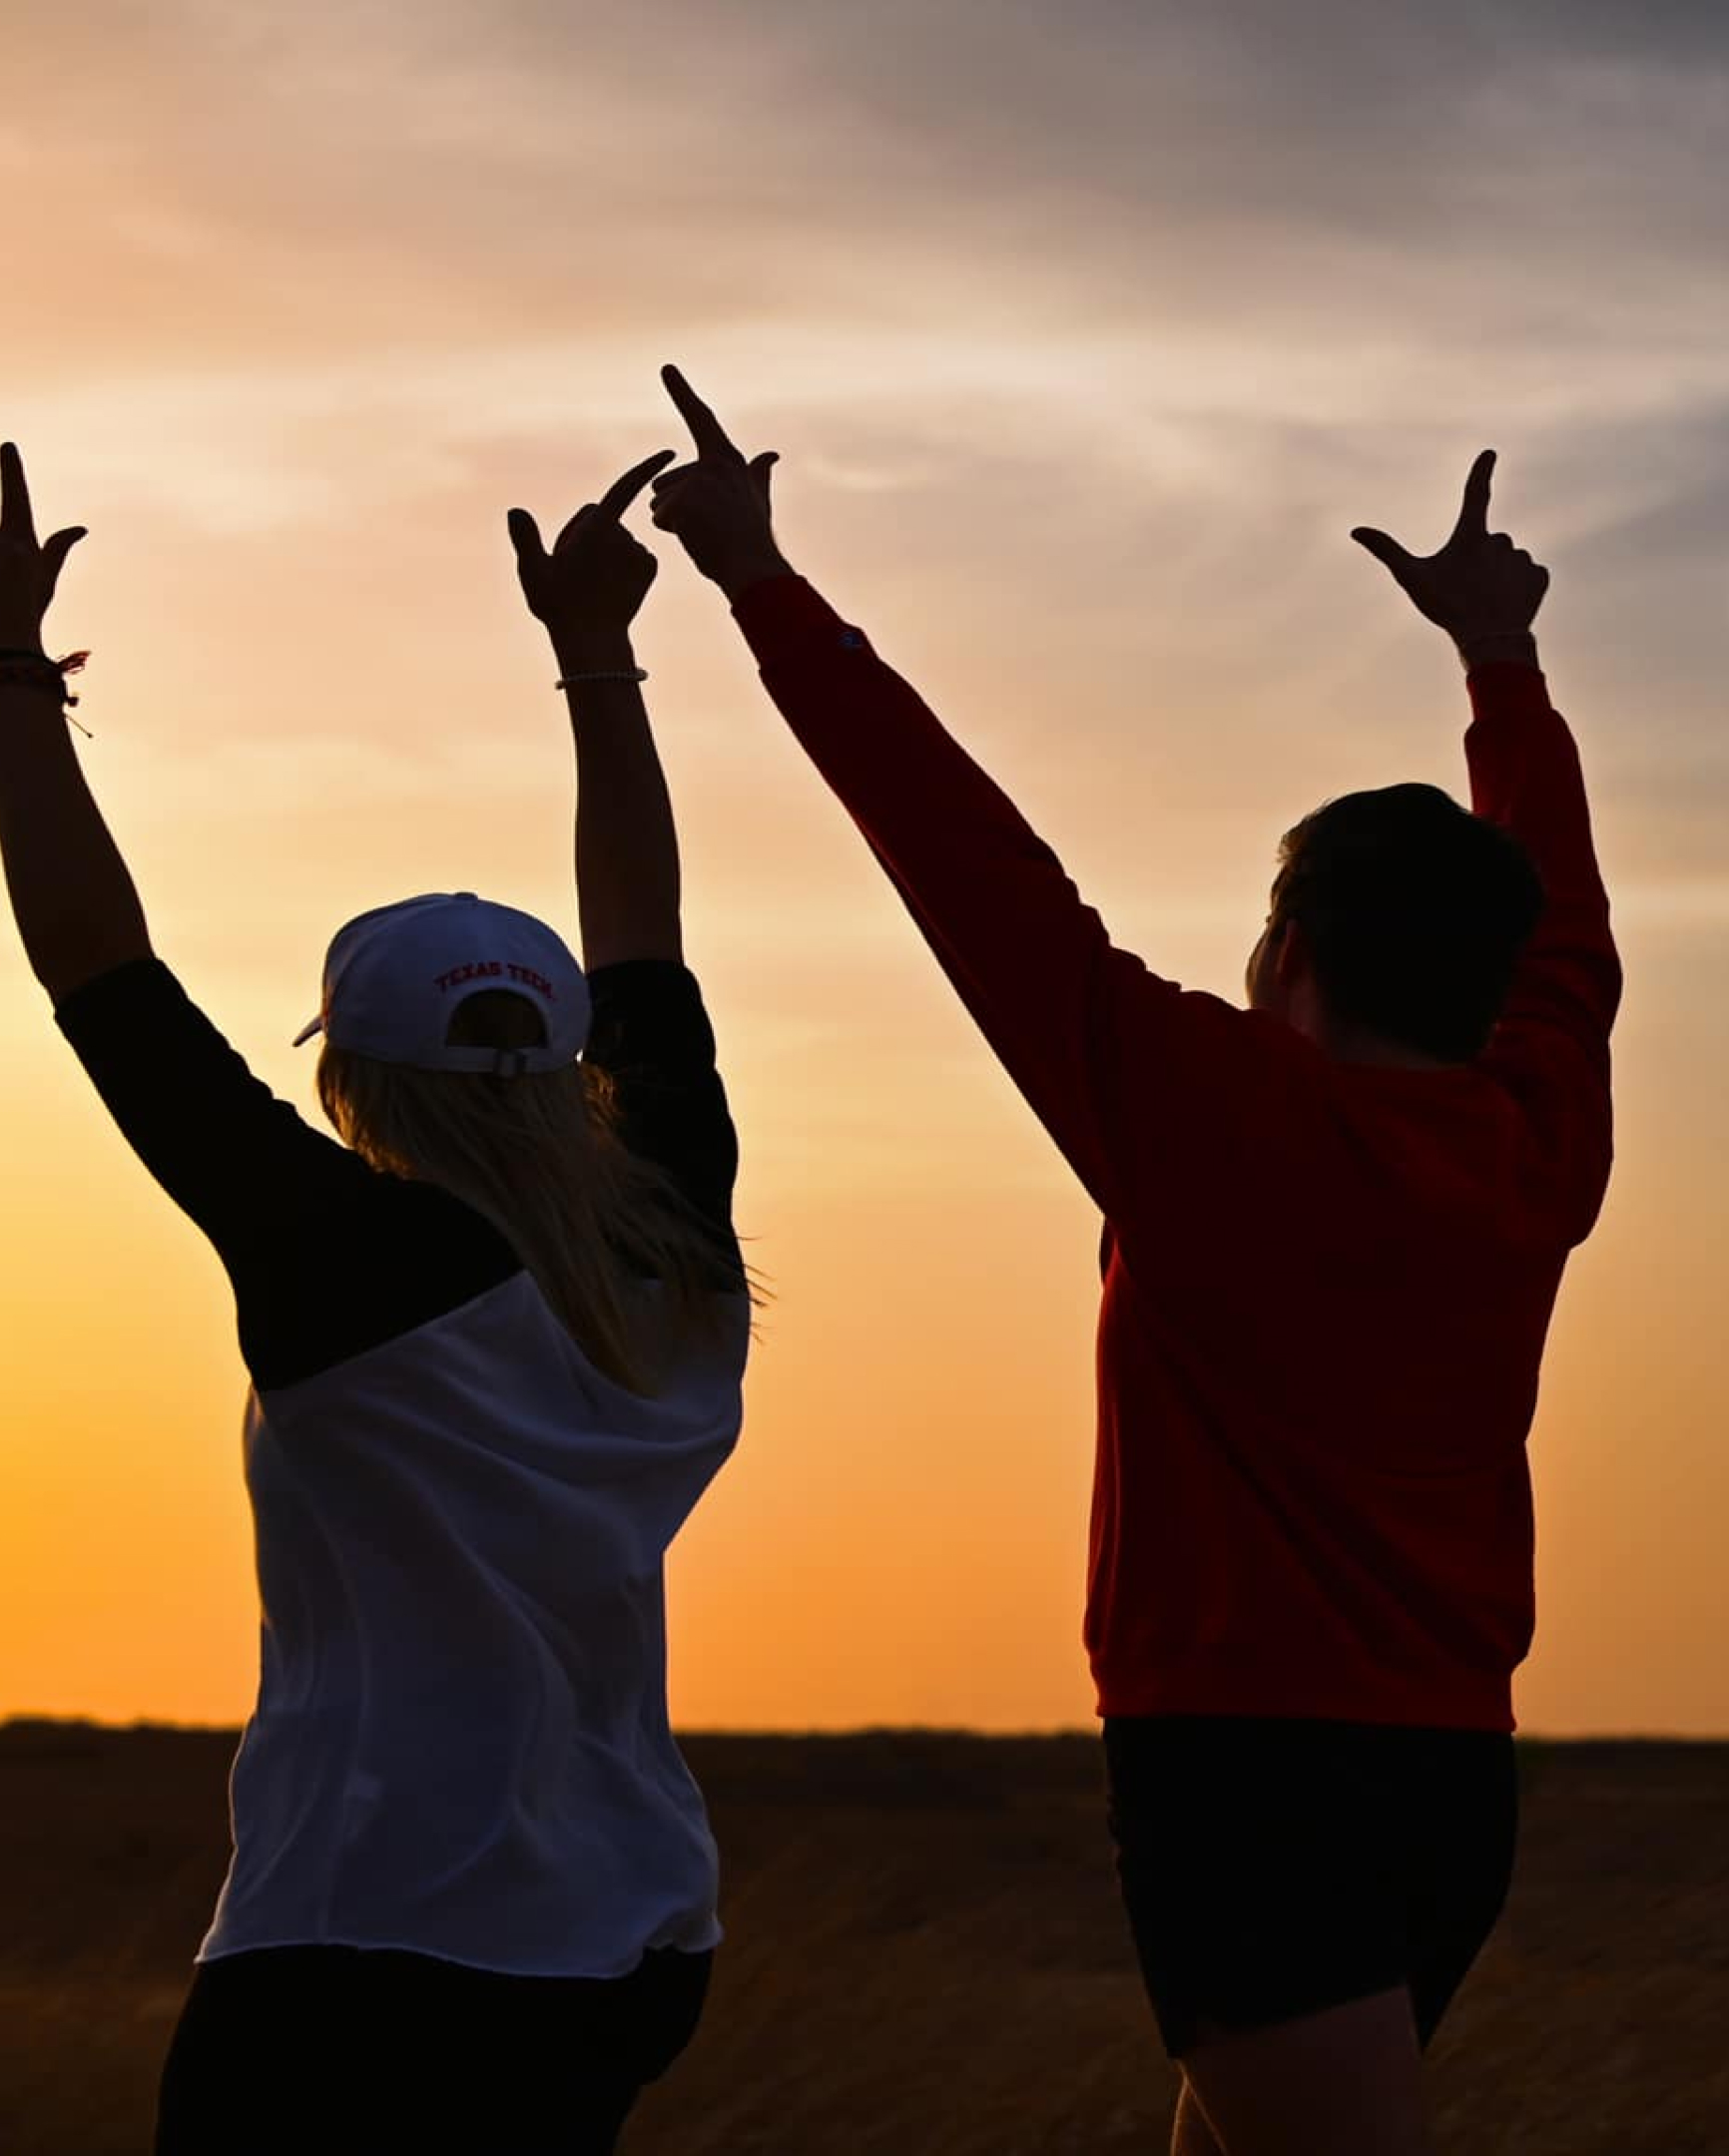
point(539, 1156)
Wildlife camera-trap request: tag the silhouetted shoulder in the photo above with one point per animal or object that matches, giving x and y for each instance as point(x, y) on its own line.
point(652, 1037)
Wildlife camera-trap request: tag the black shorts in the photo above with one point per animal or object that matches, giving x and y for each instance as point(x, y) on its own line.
point(1273, 1867)
point(345, 2050)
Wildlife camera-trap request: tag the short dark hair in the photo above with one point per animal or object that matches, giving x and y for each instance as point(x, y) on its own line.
point(1415, 912)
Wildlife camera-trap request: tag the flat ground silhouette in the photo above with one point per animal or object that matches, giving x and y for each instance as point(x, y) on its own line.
point(925, 1953)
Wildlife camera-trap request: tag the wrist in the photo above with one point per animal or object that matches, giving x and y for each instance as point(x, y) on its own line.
point(585, 650)
point(1515, 647)
point(735, 578)
point(33, 674)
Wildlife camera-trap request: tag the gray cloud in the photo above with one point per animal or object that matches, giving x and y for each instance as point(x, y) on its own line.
point(1258, 164)
point(1136, 306)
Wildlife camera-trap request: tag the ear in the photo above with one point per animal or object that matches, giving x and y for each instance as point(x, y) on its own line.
point(1290, 950)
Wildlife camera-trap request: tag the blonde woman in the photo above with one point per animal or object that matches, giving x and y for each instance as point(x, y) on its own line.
point(495, 1340)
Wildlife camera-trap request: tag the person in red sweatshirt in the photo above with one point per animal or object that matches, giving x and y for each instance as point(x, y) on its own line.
point(1336, 1223)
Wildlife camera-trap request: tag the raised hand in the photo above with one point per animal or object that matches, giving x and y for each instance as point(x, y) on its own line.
point(718, 505)
point(597, 575)
point(1479, 587)
point(28, 571)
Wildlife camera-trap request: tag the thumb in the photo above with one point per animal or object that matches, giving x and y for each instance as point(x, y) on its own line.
point(525, 538)
point(1385, 548)
point(762, 469)
point(56, 547)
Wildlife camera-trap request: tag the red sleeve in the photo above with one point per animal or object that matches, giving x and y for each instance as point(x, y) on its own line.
point(1552, 1044)
point(1105, 1052)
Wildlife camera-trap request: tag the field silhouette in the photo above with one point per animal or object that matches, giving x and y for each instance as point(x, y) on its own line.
point(925, 1956)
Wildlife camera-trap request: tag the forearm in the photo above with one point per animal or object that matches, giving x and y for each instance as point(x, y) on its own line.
point(1029, 958)
point(71, 894)
point(1526, 776)
point(1525, 769)
point(627, 857)
point(933, 816)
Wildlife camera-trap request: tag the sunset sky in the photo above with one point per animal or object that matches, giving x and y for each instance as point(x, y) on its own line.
point(1086, 335)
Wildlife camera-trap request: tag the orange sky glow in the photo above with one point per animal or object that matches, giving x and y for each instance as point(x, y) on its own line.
point(1084, 343)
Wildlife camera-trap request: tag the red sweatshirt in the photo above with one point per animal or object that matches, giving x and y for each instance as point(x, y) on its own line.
point(1327, 1285)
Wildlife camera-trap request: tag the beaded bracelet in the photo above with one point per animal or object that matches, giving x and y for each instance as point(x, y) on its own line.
point(634, 674)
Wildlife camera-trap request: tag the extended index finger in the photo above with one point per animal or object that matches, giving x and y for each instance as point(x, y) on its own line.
point(15, 517)
point(707, 432)
point(619, 496)
point(1474, 509)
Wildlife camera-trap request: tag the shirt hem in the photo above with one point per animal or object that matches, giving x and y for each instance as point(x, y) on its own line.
point(1420, 1711)
point(207, 1953)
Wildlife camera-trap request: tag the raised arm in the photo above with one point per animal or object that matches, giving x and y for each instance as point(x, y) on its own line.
point(586, 591)
point(1119, 1065)
point(1553, 1038)
point(72, 897)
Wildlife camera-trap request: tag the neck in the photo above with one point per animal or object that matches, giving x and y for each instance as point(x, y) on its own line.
point(1303, 1009)
point(1349, 1045)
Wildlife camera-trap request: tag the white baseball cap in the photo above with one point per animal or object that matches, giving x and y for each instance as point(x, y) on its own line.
point(394, 977)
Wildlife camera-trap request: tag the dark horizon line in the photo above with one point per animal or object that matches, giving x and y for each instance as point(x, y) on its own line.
point(1051, 1733)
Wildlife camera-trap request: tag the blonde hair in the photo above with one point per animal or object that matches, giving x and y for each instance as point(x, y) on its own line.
point(540, 1156)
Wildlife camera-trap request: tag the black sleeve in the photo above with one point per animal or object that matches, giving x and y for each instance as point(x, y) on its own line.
point(652, 1037)
point(225, 1150)
point(327, 1257)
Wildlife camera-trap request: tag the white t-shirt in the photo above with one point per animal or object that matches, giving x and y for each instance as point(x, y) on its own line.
point(461, 1745)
